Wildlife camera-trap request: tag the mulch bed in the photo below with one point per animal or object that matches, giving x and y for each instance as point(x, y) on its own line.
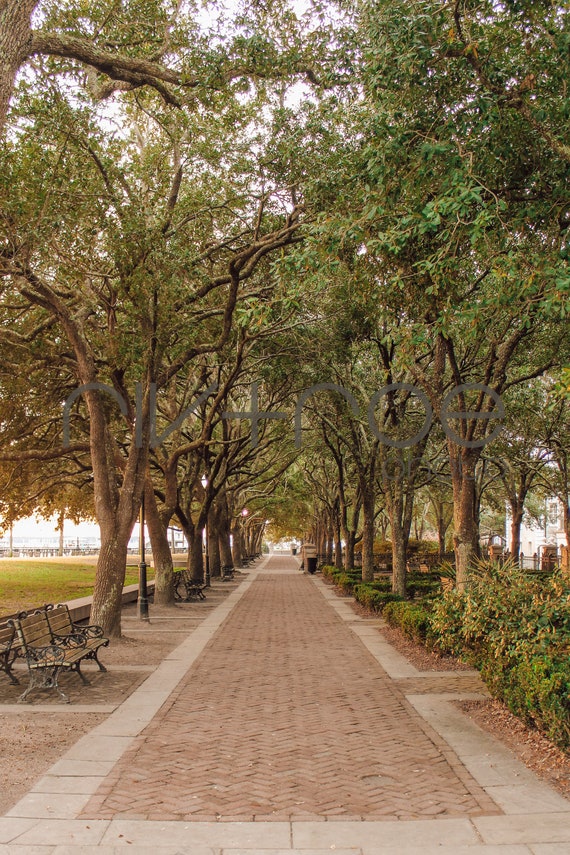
point(538, 753)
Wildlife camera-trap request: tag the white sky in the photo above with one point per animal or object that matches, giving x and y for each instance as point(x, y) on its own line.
point(34, 529)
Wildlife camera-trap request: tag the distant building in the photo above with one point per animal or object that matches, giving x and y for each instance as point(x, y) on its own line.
point(535, 535)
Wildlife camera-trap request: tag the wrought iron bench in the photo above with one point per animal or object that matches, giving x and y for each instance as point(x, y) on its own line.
point(227, 573)
point(186, 588)
point(61, 625)
point(9, 649)
point(48, 653)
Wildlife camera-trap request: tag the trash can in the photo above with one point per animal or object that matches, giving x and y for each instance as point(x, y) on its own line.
point(293, 550)
point(312, 564)
point(309, 556)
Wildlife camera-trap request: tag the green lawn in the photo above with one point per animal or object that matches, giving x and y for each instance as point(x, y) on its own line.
point(29, 584)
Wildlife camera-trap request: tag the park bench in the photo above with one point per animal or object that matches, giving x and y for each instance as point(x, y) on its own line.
point(48, 653)
point(61, 625)
point(227, 573)
point(186, 588)
point(9, 648)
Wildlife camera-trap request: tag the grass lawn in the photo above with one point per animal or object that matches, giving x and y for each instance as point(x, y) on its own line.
point(29, 584)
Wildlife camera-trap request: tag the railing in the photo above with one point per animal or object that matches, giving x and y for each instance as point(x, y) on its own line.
point(383, 560)
point(69, 551)
point(44, 551)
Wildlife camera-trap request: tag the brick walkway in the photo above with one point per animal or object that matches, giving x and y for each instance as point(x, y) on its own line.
point(286, 715)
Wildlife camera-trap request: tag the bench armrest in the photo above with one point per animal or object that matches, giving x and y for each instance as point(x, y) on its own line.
point(71, 641)
point(89, 631)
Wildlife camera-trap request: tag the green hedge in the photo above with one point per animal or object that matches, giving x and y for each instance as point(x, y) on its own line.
point(328, 569)
point(414, 619)
point(344, 579)
point(516, 629)
point(372, 597)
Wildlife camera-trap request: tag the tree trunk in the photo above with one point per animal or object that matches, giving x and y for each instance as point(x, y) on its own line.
point(109, 579)
point(161, 553)
point(350, 539)
point(224, 543)
point(117, 509)
point(466, 531)
point(329, 544)
point(214, 544)
point(226, 556)
point(368, 505)
point(516, 523)
point(196, 556)
point(60, 527)
point(400, 517)
point(15, 35)
point(237, 546)
point(337, 547)
point(399, 569)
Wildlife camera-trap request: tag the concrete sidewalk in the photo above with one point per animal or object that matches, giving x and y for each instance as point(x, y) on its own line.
point(284, 723)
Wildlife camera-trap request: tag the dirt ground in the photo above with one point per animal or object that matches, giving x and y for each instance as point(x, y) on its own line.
point(31, 742)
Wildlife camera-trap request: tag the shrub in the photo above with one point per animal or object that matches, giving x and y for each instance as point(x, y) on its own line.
point(412, 618)
point(346, 580)
point(423, 587)
point(516, 629)
point(380, 584)
point(372, 598)
point(327, 570)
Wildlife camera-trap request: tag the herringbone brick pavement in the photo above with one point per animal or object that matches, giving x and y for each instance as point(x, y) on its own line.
point(286, 715)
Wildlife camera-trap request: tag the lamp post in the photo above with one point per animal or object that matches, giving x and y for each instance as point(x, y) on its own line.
point(142, 602)
point(244, 514)
point(204, 482)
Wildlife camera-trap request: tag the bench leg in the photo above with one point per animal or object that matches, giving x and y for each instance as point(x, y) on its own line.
point(44, 678)
point(77, 669)
point(7, 667)
point(100, 664)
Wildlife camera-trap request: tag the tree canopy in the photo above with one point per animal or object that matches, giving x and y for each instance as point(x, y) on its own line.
point(369, 199)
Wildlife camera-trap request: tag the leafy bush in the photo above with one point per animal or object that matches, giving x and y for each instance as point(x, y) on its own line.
point(412, 618)
point(423, 546)
point(373, 598)
point(381, 584)
point(516, 629)
point(327, 570)
point(346, 580)
point(423, 587)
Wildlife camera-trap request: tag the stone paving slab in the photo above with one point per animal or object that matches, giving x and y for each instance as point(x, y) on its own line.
point(456, 682)
point(550, 849)
point(286, 716)
point(213, 850)
point(535, 828)
point(505, 778)
point(275, 835)
point(397, 834)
